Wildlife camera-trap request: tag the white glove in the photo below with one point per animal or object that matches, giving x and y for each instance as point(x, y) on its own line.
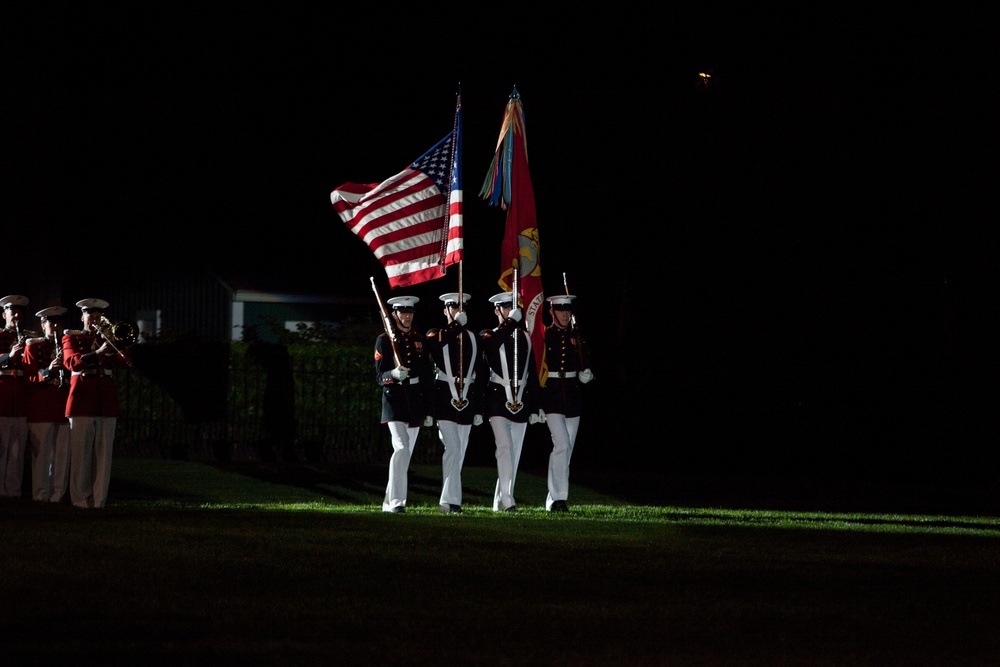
point(536, 418)
point(516, 314)
point(541, 416)
point(461, 317)
point(400, 373)
point(477, 420)
point(586, 375)
point(428, 421)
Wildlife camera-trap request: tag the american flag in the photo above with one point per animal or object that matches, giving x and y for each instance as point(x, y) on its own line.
point(413, 220)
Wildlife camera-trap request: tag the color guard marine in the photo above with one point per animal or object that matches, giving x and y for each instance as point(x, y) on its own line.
point(567, 357)
point(511, 393)
point(402, 371)
point(455, 397)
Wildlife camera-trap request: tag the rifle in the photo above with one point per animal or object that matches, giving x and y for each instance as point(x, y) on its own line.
point(390, 329)
point(572, 324)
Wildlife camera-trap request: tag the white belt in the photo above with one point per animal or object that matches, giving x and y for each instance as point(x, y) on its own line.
point(413, 380)
point(444, 377)
point(562, 375)
point(499, 379)
point(11, 372)
point(106, 371)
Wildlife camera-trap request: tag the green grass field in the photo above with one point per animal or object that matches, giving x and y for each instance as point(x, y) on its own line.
point(283, 564)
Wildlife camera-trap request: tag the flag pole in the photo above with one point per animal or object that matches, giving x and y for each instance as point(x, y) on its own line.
point(517, 287)
point(460, 380)
point(460, 383)
point(517, 375)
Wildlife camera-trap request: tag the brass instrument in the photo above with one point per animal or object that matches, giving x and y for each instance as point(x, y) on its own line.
point(120, 335)
point(57, 355)
point(23, 335)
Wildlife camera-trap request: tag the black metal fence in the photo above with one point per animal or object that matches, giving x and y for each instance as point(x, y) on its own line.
point(259, 402)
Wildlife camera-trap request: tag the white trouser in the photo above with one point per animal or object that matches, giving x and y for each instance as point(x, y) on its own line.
point(91, 441)
point(563, 430)
point(49, 443)
point(509, 437)
point(455, 438)
point(404, 437)
point(13, 442)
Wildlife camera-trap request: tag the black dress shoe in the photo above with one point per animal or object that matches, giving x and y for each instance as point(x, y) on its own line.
point(512, 508)
point(398, 509)
point(450, 509)
point(559, 506)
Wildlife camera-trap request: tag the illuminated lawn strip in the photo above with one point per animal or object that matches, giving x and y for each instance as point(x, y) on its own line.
point(698, 516)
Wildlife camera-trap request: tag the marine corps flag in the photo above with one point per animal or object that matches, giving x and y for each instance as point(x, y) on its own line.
point(413, 220)
point(508, 184)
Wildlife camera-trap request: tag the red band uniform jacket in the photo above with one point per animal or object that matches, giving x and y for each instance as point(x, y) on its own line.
point(92, 391)
point(46, 398)
point(13, 387)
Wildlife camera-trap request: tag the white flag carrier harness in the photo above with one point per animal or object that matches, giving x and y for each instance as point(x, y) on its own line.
point(504, 379)
point(457, 400)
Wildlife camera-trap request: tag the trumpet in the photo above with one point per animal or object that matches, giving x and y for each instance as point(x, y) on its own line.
point(120, 335)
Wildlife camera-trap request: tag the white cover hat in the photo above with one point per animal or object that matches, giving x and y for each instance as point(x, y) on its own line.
point(14, 300)
point(502, 298)
point(561, 302)
point(451, 298)
point(404, 304)
point(92, 304)
point(53, 311)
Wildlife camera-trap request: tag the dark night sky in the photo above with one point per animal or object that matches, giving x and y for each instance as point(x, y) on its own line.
point(804, 251)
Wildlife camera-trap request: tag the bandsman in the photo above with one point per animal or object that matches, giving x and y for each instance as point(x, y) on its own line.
point(13, 396)
point(48, 426)
point(92, 404)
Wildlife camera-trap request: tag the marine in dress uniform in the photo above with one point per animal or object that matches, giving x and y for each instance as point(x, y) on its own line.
point(455, 398)
point(568, 359)
point(48, 426)
point(13, 397)
point(403, 409)
point(511, 393)
point(92, 405)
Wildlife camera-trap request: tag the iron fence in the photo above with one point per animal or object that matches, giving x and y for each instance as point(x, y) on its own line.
point(308, 406)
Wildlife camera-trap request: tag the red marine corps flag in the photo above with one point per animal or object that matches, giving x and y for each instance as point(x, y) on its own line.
point(413, 220)
point(508, 184)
